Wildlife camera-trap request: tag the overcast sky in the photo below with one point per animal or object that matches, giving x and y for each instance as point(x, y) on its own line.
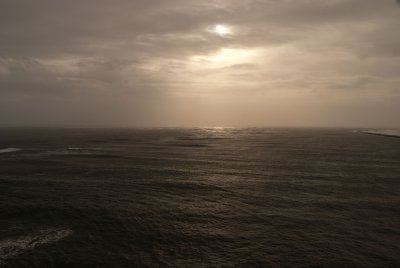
point(200, 63)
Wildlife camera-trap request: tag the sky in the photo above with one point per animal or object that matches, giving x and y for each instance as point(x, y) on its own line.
point(172, 63)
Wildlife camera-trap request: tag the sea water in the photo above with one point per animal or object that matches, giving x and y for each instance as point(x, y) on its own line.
point(200, 197)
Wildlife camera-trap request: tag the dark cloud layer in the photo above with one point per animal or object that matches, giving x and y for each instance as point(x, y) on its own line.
point(157, 63)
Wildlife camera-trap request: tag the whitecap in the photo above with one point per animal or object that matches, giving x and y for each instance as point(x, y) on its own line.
point(9, 150)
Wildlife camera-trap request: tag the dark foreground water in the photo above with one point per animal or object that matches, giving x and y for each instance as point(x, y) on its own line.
point(198, 198)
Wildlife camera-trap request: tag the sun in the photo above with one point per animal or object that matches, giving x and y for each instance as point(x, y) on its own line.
point(221, 30)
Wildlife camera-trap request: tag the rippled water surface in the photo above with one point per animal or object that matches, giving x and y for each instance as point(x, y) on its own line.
point(199, 198)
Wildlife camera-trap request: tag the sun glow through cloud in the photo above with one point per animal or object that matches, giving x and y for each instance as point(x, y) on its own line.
point(225, 57)
point(221, 30)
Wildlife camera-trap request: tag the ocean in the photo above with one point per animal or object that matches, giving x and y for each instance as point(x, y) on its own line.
point(198, 197)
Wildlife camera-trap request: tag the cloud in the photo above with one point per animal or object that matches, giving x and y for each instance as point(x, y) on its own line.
point(146, 61)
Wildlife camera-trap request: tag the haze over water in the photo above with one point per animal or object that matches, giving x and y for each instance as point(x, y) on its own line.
point(201, 197)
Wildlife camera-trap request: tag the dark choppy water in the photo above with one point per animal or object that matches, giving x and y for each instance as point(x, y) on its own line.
point(198, 198)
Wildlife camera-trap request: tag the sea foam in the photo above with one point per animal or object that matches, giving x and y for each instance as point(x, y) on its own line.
point(13, 247)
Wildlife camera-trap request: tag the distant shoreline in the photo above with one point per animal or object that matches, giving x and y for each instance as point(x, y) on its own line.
point(379, 133)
